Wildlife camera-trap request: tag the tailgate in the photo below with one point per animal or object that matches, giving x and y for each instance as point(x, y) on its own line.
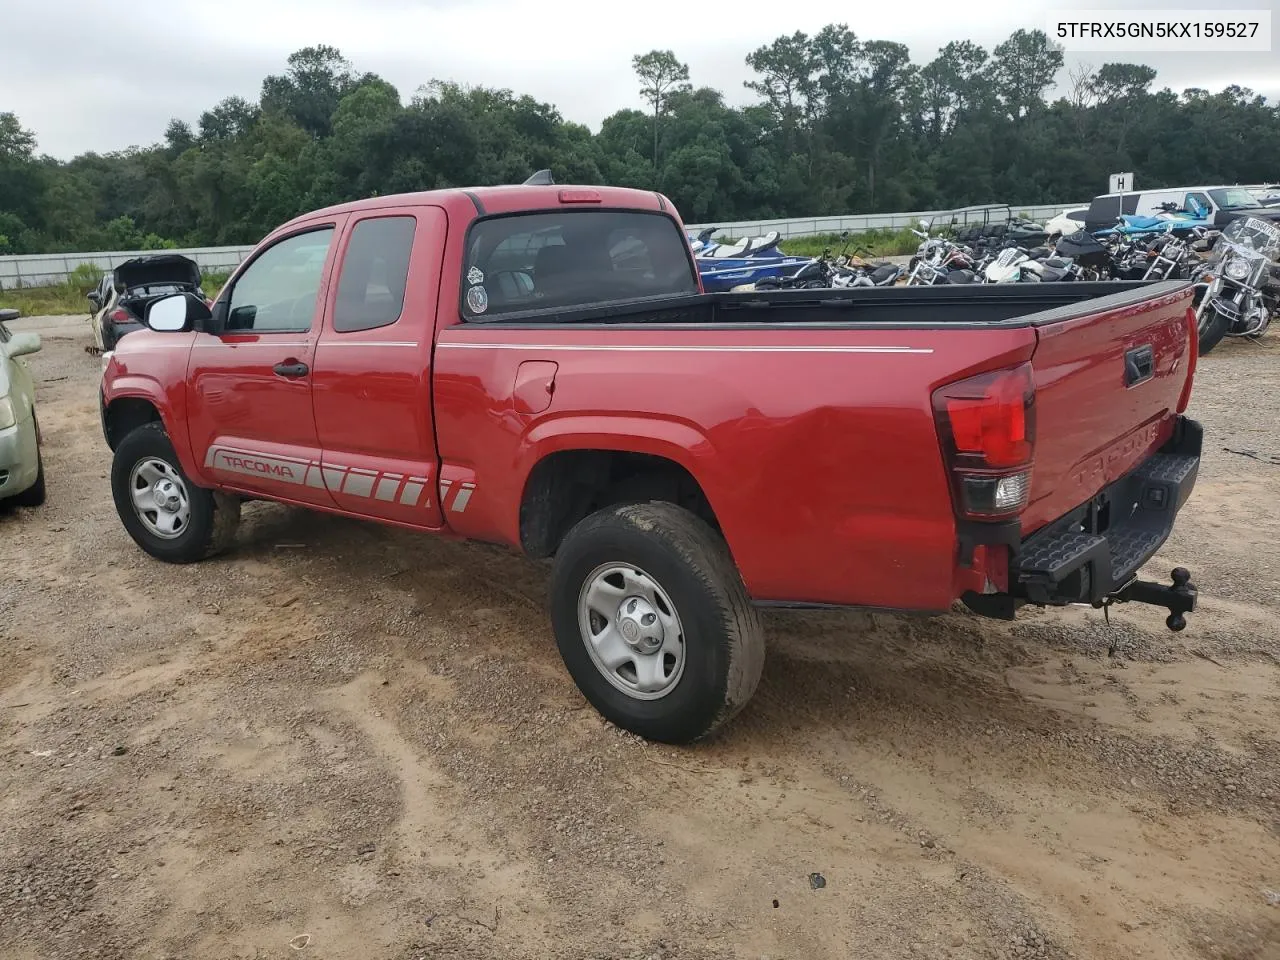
point(1110, 374)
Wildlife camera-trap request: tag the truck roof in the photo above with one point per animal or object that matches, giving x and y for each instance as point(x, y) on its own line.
point(513, 198)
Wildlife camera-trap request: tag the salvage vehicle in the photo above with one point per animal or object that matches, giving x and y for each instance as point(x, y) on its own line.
point(120, 301)
point(537, 366)
point(1212, 207)
point(21, 467)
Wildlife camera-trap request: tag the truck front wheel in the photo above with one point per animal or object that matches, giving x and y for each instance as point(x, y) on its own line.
point(654, 623)
point(166, 514)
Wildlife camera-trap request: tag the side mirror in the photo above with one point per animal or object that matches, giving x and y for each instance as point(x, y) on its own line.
point(22, 344)
point(177, 313)
point(95, 298)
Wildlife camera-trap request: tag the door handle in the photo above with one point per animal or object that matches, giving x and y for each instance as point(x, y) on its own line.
point(291, 369)
point(1139, 365)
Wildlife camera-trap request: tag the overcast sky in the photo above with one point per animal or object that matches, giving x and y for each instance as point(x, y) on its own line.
point(99, 75)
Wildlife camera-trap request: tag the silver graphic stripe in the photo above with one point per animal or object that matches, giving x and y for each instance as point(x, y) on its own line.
point(350, 481)
point(674, 348)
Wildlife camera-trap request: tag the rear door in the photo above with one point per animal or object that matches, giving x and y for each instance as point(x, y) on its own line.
point(372, 377)
point(251, 417)
point(1108, 384)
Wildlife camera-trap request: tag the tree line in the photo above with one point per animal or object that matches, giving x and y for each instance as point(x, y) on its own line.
point(840, 125)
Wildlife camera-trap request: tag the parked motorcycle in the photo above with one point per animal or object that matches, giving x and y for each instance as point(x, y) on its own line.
point(1015, 265)
point(851, 270)
point(935, 258)
point(1173, 256)
point(1238, 289)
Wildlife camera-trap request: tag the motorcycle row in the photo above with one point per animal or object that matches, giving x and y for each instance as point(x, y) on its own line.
point(1235, 271)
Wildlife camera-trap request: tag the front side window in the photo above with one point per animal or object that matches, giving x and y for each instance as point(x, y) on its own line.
point(375, 271)
point(570, 259)
point(277, 292)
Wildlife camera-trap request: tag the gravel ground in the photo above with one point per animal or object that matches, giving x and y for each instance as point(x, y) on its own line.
point(344, 741)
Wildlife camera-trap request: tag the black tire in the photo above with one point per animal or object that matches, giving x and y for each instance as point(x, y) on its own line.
point(34, 495)
point(1213, 332)
point(213, 516)
point(723, 637)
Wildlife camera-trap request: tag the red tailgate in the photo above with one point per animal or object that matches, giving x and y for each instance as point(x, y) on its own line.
point(1108, 384)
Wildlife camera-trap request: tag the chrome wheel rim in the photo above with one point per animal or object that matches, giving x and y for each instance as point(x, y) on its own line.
point(159, 498)
point(631, 630)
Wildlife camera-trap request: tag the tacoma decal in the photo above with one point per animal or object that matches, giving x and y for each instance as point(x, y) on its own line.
point(257, 465)
point(407, 491)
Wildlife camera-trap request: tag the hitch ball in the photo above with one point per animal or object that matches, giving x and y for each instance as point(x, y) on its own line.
point(1181, 577)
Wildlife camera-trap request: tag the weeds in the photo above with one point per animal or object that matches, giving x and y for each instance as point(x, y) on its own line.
point(875, 243)
point(70, 297)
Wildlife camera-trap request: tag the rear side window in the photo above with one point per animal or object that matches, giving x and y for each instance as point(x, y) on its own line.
point(375, 271)
point(571, 259)
point(1104, 210)
point(1196, 203)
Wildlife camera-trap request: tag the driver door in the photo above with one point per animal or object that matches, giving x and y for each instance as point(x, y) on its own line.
point(251, 417)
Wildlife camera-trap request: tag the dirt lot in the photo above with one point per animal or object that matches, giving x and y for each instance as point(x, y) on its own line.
point(343, 741)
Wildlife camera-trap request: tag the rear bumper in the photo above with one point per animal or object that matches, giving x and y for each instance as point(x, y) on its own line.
point(1093, 553)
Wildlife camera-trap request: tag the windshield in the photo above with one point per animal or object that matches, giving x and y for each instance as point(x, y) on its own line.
point(1250, 235)
point(1233, 198)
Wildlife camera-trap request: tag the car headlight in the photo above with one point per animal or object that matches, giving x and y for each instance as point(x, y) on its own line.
point(1235, 270)
point(8, 416)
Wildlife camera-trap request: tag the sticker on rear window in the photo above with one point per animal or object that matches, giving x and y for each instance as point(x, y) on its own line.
point(475, 275)
point(477, 298)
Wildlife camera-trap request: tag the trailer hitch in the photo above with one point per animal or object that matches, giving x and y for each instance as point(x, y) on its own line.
point(1178, 599)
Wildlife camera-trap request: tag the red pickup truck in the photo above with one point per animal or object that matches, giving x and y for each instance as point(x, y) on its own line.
point(537, 366)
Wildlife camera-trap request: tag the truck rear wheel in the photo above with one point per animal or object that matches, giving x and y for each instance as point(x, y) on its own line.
point(654, 623)
point(166, 514)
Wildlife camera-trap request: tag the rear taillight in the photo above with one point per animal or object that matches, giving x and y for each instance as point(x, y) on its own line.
point(987, 428)
point(1193, 357)
point(119, 315)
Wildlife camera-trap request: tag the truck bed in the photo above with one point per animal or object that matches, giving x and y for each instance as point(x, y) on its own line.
point(808, 417)
point(946, 306)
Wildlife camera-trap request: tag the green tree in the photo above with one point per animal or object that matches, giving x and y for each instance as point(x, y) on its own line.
point(838, 125)
point(661, 75)
point(1022, 69)
point(310, 89)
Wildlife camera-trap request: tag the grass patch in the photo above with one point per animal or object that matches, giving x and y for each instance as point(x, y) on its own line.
point(45, 301)
point(70, 297)
point(876, 243)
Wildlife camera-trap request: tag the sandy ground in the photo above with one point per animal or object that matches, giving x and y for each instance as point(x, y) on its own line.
point(344, 741)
